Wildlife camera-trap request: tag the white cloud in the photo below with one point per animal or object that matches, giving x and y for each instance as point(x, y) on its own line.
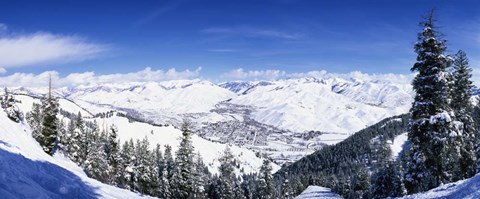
point(90, 78)
point(45, 48)
point(240, 74)
point(2, 70)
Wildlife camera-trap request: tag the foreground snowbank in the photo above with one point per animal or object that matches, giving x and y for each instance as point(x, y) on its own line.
point(469, 188)
point(27, 172)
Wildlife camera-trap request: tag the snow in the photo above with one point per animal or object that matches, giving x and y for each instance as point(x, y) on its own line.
point(398, 145)
point(465, 189)
point(316, 192)
point(27, 172)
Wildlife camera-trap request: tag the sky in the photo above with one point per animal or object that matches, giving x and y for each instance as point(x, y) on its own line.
point(226, 39)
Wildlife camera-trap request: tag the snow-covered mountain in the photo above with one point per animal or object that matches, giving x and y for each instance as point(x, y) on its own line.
point(285, 119)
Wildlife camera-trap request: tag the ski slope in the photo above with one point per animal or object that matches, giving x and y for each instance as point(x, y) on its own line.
point(27, 172)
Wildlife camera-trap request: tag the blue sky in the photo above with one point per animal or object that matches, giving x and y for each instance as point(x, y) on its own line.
point(372, 36)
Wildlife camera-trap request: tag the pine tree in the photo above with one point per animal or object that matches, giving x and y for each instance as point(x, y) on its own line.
point(286, 189)
point(96, 164)
point(34, 119)
point(265, 180)
point(113, 156)
point(127, 157)
point(183, 175)
point(200, 178)
point(463, 108)
point(165, 189)
point(227, 174)
point(387, 181)
point(432, 118)
point(7, 102)
point(48, 134)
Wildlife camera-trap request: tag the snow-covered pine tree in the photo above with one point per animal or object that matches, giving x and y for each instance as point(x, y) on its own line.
point(159, 164)
point(48, 134)
point(8, 104)
point(142, 169)
point(34, 119)
point(265, 180)
point(227, 174)
point(112, 150)
point(463, 108)
point(286, 189)
point(169, 162)
point(165, 190)
point(432, 118)
point(185, 166)
point(127, 157)
point(96, 163)
point(200, 178)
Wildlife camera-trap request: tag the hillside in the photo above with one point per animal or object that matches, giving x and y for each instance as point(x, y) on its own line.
point(27, 172)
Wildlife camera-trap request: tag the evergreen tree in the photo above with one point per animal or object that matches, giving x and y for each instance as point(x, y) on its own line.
point(183, 176)
point(463, 108)
point(48, 134)
point(387, 182)
point(265, 180)
point(7, 102)
point(113, 156)
point(200, 178)
point(227, 174)
point(165, 189)
point(34, 119)
point(127, 157)
point(432, 118)
point(96, 164)
point(286, 189)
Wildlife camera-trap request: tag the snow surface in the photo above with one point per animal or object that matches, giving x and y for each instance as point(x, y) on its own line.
point(316, 192)
point(465, 189)
point(398, 145)
point(27, 172)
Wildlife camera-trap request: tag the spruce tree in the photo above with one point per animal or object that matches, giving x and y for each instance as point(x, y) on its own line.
point(96, 164)
point(227, 174)
point(184, 163)
point(48, 133)
point(265, 180)
point(34, 119)
point(113, 155)
point(463, 108)
point(432, 118)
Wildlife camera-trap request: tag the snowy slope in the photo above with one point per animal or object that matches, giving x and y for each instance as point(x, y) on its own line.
point(468, 189)
point(316, 192)
point(27, 172)
point(398, 145)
